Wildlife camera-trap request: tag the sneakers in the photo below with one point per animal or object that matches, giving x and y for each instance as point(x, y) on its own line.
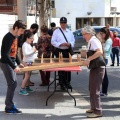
point(89, 111)
point(28, 89)
point(93, 115)
point(23, 92)
point(112, 65)
point(13, 110)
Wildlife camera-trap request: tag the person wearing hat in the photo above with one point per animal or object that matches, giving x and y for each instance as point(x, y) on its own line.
point(62, 46)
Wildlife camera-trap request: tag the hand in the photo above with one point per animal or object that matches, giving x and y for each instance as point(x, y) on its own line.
point(17, 70)
point(68, 44)
point(63, 44)
point(34, 49)
point(21, 65)
point(86, 62)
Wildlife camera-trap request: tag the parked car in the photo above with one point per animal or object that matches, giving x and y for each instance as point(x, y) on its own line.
point(80, 41)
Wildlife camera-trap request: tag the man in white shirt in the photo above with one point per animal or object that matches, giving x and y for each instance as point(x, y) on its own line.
point(59, 42)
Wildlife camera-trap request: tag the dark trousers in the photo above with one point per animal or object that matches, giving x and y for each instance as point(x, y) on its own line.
point(63, 76)
point(95, 83)
point(45, 77)
point(111, 56)
point(115, 51)
point(105, 80)
point(10, 76)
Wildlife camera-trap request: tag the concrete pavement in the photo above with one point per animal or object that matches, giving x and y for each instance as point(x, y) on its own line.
point(61, 105)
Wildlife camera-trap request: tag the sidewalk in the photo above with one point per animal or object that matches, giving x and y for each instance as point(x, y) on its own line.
point(61, 105)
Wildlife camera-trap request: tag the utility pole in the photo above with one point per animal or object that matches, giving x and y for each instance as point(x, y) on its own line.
point(22, 10)
point(22, 15)
point(50, 15)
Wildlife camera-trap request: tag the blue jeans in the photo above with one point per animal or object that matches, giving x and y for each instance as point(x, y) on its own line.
point(111, 56)
point(10, 76)
point(115, 51)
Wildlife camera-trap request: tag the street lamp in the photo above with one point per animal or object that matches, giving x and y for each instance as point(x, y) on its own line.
point(89, 13)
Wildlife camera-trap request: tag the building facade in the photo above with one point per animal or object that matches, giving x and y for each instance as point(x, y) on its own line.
point(88, 12)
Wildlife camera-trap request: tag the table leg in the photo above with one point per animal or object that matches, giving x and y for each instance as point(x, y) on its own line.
point(54, 88)
point(55, 78)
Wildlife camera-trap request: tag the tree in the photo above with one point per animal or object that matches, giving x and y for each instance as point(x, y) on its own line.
point(43, 9)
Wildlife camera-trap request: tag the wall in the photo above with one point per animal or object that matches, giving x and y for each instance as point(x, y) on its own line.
point(6, 22)
point(79, 9)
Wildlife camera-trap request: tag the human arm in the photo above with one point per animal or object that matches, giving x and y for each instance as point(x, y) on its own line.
point(107, 45)
point(55, 39)
point(39, 43)
point(96, 46)
point(8, 50)
point(72, 42)
point(94, 56)
point(27, 51)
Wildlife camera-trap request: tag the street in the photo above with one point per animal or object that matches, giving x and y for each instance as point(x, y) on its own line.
point(61, 105)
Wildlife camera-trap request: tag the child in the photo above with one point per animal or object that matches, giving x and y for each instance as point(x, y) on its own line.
point(28, 58)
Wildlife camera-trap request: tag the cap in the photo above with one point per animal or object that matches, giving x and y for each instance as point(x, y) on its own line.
point(63, 19)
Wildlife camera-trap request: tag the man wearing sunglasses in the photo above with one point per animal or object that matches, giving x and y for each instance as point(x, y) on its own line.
point(62, 45)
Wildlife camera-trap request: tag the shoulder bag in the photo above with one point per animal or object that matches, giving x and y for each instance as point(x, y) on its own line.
point(95, 63)
point(70, 48)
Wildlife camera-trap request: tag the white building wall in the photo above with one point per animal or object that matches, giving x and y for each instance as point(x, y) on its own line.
point(7, 21)
point(73, 9)
point(78, 9)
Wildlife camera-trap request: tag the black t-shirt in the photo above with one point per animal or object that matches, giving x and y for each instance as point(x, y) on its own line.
point(20, 41)
point(9, 50)
point(50, 32)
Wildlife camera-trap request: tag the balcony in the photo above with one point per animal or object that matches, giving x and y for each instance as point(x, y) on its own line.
point(7, 6)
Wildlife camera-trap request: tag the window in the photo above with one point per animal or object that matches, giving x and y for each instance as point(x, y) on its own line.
point(109, 21)
point(78, 23)
point(53, 3)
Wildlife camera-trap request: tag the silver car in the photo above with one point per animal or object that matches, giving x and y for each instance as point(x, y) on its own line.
point(80, 41)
